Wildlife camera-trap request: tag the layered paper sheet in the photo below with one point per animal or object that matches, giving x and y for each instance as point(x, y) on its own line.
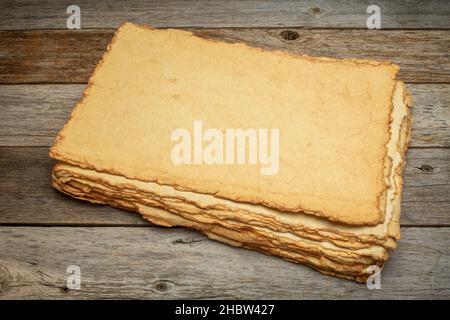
point(344, 125)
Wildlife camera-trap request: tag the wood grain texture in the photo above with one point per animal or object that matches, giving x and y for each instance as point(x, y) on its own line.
point(35, 14)
point(136, 260)
point(49, 56)
point(158, 263)
point(32, 115)
point(28, 198)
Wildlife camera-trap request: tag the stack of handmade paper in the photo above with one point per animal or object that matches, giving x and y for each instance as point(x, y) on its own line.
point(290, 155)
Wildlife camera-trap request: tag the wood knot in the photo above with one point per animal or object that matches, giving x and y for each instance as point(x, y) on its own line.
point(316, 11)
point(289, 35)
point(426, 168)
point(163, 286)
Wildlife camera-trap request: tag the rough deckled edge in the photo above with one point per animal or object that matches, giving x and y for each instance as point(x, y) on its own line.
point(403, 143)
point(323, 265)
point(76, 184)
point(86, 183)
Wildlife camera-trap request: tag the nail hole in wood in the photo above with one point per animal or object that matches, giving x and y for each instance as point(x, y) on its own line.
point(289, 35)
point(65, 290)
point(316, 10)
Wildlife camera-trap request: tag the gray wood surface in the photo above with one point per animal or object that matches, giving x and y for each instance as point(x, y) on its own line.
point(36, 14)
point(43, 70)
point(28, 198)
point(49, 56)
point(47, 108)
point(158, 263)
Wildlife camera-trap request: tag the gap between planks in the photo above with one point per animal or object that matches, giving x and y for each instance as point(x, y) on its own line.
point(150, 225)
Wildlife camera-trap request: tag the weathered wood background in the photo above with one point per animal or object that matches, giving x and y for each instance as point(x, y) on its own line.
point(43, 70)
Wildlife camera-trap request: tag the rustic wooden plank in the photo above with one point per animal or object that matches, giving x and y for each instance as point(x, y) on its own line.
point(49, 56)
point(35, 14)
point(426, 193)
point(431, 111)
point(158, 263)
point(32, 115)
point(27, 197)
